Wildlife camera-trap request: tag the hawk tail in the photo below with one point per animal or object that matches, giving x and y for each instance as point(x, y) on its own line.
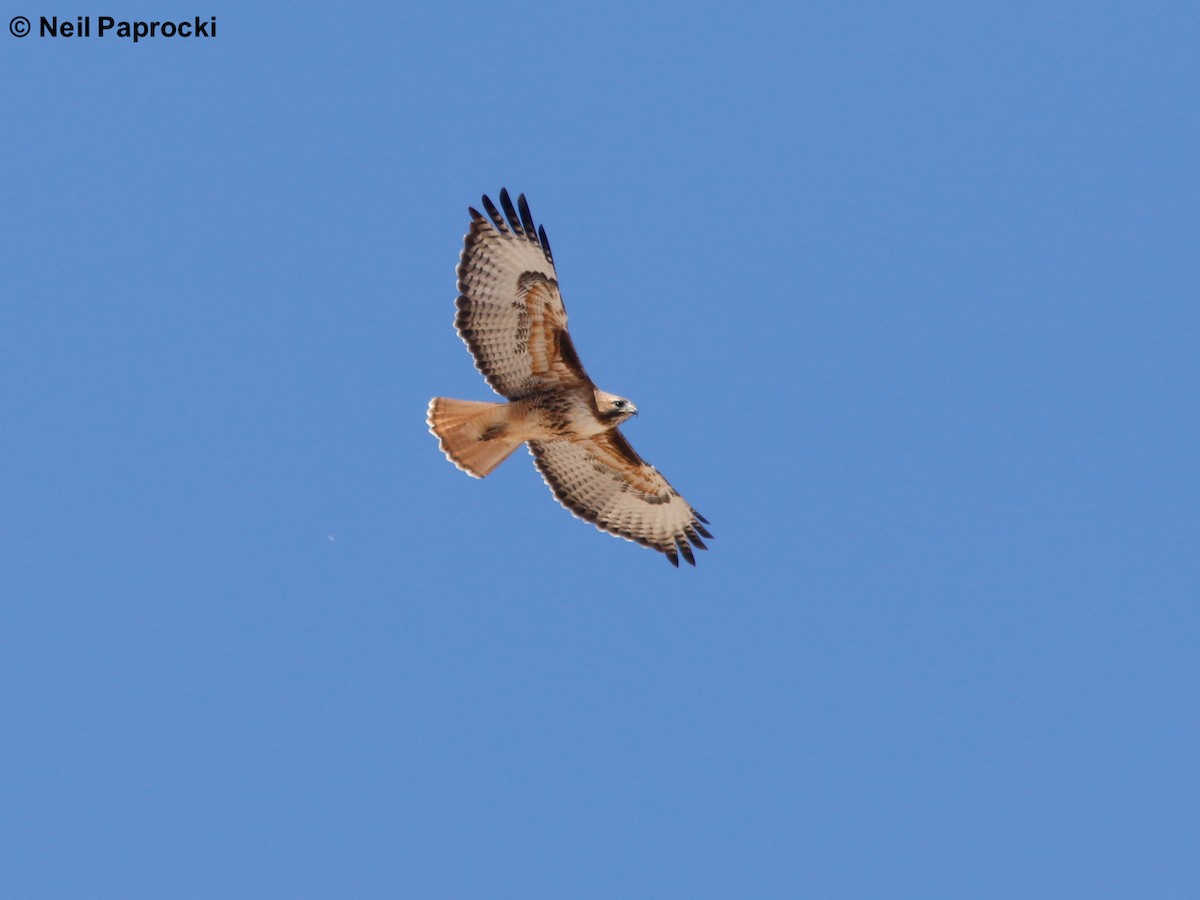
point(476, 436)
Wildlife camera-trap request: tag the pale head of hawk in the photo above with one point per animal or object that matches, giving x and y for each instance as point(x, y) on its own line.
point(512, 318)
point(614, 409)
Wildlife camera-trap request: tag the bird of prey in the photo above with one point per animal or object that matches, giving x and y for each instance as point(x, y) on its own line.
point(511, 317)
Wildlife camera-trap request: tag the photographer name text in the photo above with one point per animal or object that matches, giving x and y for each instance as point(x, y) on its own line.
point(136, 30)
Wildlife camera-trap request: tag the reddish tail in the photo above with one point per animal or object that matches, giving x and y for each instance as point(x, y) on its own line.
point(474, 435)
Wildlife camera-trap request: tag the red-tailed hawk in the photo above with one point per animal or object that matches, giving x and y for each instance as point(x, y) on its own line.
point(511, 316)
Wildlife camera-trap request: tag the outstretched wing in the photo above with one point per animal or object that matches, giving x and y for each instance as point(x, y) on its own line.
point(510, 313)
point(603, 481)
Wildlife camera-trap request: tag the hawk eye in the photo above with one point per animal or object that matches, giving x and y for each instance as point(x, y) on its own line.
point(619, 404)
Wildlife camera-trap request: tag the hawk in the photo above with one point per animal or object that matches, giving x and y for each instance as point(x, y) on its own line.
point(511, 317)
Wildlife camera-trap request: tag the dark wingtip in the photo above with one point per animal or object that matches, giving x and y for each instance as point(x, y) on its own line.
point(526, 218)
point(514, 221)
point(494, 214)
point(686, 549)
point(672, 554)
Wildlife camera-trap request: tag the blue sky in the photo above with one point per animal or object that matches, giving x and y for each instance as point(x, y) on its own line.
point(907, 297)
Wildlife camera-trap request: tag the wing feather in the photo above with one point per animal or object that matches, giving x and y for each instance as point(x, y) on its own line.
point(510, 312)
point(602, 480)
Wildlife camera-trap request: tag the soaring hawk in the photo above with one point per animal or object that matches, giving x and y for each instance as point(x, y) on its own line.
point(511, 316)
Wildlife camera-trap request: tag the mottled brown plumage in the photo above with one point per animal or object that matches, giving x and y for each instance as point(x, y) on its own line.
point(512, 318)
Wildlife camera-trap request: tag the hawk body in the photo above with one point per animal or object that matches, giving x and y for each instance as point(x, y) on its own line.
point(512, 319)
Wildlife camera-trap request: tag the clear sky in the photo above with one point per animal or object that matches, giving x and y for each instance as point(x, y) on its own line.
point(908, 296)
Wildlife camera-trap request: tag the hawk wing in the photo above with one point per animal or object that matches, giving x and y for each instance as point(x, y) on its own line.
point(603, 481)
point(510, 313)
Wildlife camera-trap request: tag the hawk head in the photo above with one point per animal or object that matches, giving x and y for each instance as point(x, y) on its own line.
point(614, 409)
